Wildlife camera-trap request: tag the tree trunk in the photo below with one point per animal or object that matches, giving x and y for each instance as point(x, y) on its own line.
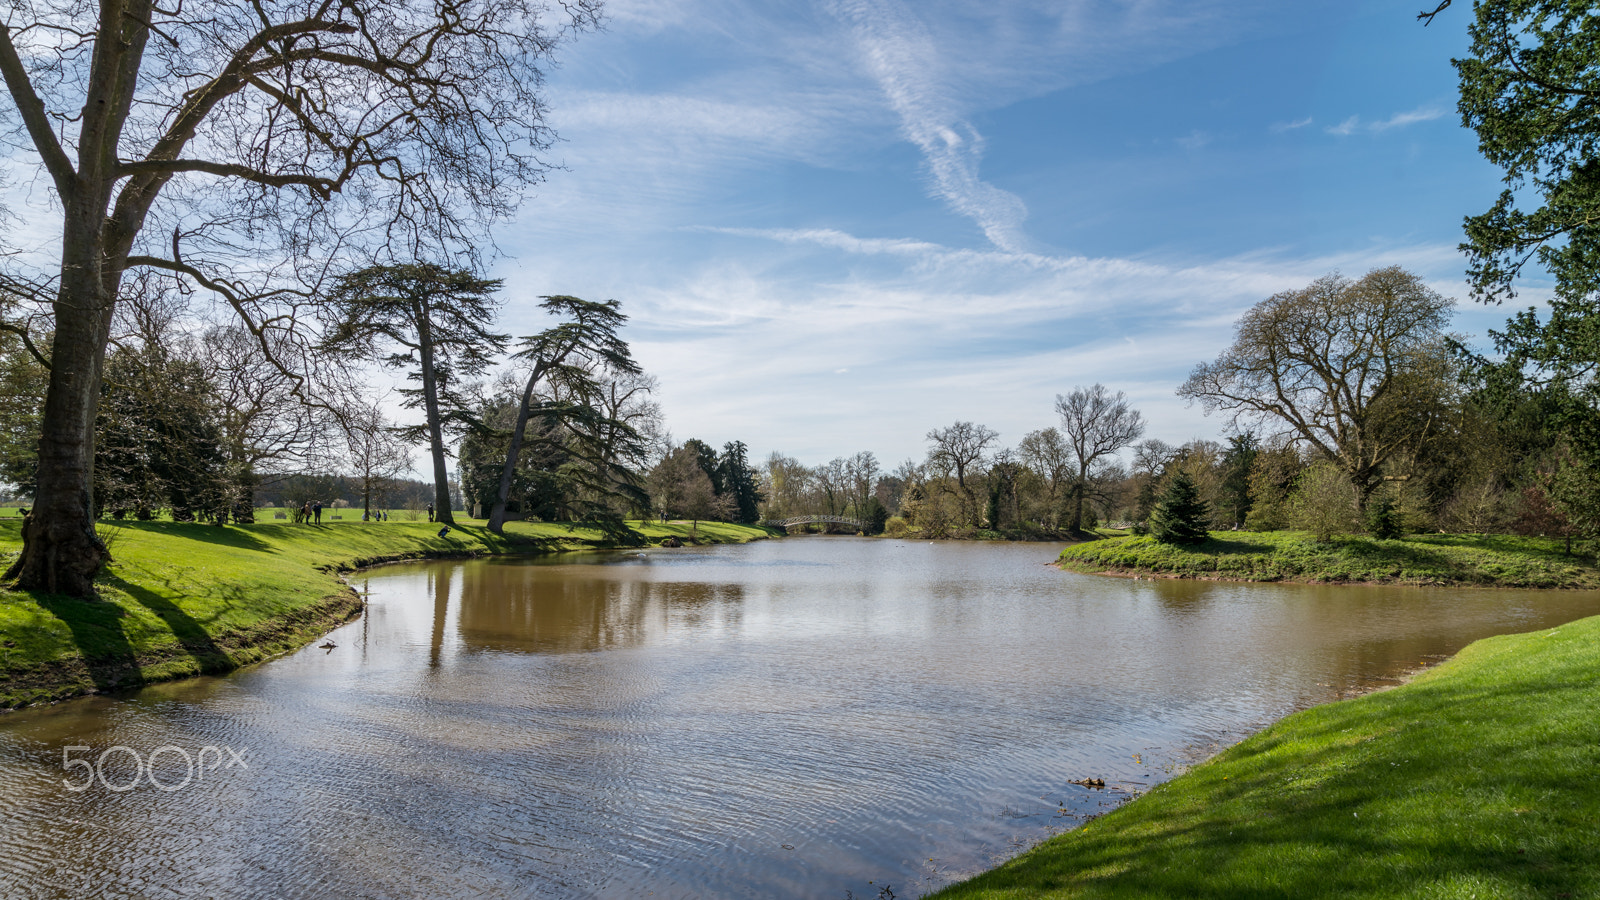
point(1365, 486)
point(61, 553)
point(430, 407)
point(497, 515)
point(1076, 526)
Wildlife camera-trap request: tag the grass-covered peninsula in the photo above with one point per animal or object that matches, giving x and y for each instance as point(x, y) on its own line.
point(1474, 780)
point(180, 600)
point(1485, 560)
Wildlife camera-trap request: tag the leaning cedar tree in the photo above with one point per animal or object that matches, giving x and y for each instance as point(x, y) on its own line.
point(1360, 370)
point(245, 147)
point(435, 325)
point(1529, 89)
point(573, 357)
point(1180, 517)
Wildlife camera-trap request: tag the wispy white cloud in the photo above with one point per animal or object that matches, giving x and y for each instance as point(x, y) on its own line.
point(1398, 120)
point(839, 240)
point(1347, 127)
point(749, 342)
point(827, 87)
point(1280, 127)
point(1194, 140)
point(907, 64)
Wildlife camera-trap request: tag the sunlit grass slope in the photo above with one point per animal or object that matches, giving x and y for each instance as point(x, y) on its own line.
point(1477, 780)
point(1496, 560)
point(186, 599)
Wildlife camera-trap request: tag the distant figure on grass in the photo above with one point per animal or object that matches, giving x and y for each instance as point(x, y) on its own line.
point(430, 512)
point(316, 511)
point(444, 531)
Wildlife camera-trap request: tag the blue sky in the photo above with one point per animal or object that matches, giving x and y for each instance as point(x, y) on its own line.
point(840, 224)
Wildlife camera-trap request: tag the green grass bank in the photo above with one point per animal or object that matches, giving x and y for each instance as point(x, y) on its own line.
point(187, 599)
point(1475, 780)
point(1480, 560)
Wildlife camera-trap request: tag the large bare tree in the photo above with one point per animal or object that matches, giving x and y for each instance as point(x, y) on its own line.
point(1096, 424)
point(247, 146)
point(1356, 369)
point(960, 449)
point(1046, 453)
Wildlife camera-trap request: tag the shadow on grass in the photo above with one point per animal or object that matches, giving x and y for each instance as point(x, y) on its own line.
point(227, 535)
point(190, 634)
point(1406, 554)
point(97, 632)
point(1234, 546)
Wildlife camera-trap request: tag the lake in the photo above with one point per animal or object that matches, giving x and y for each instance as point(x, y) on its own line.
point(803, 717)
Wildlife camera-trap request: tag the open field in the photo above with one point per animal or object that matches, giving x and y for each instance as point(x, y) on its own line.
point(186, 599)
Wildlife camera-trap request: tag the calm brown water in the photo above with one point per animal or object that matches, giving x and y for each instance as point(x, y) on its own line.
point(792, 718)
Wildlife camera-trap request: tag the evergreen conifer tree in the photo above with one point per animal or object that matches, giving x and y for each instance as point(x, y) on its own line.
point(1180, 517)
point(1383, 522)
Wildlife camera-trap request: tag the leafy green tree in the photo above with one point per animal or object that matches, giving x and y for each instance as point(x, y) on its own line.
point(1383, 521)
point(738, 481)
point(1004, 508)
point(1237, 461)
point(23, 378)
point(1324, 503)
point(1273, 476)
point(1180, 516)
point(705, 456)
point(876, 516)
point(159, 440)
point(1574, 490)
point(440, 320)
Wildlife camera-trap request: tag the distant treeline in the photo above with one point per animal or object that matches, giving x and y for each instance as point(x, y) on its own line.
point(1347, 407)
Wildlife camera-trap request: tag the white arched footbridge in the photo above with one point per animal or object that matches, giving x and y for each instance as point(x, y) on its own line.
point(816, 520)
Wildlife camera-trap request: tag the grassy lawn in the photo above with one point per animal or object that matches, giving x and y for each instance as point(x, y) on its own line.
point(1476, 780)
point(186, 599)
point(1497, 560)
